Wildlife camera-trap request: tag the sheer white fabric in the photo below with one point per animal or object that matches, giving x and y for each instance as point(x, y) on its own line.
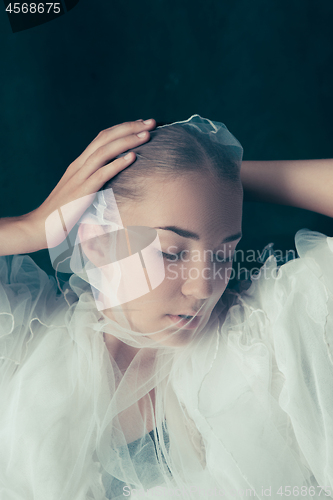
point(247, 405)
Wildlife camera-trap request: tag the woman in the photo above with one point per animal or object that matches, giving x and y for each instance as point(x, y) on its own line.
point(148, 377)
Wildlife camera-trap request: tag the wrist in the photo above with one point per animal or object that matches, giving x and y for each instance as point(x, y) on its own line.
point(34, 228)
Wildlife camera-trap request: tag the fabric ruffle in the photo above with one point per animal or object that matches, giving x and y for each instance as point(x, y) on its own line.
point(248, 406)
point(264, 404)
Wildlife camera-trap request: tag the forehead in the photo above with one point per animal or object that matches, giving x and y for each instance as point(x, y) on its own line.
point(195, 201)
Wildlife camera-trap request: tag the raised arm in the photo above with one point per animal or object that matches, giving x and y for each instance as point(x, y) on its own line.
point(16, 237)
point(80, 182)
point(305, 184)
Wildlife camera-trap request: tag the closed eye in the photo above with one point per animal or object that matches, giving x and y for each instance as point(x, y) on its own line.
point(171, 256)
point(175, 256)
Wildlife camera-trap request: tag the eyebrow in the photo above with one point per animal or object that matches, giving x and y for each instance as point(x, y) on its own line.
point(194, 236)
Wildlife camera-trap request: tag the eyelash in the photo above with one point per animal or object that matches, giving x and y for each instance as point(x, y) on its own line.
point(168, 255)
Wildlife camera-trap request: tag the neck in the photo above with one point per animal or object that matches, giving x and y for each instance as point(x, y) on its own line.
point(122, 353)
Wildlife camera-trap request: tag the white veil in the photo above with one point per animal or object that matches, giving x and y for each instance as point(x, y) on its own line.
point(143, 397)
point(241, 401)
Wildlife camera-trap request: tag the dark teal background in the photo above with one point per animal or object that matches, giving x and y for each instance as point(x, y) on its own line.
point(264, 68)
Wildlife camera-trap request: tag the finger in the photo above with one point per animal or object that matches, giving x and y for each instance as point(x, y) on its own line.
point(107, 172)
point(79, 163)
point(114, 133)
point(123, 129)
point(109, 151)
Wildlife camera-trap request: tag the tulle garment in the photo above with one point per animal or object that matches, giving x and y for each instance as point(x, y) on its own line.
point(248, 406)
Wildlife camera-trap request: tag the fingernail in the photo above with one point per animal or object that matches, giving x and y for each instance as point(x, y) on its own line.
point(142, 134)
point(148, 122)
point(128, 156)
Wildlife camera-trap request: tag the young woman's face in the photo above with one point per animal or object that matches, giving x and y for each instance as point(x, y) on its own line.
point(193, 215)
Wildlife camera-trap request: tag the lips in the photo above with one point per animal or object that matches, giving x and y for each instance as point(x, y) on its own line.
point(190, 313)
point(185, 321)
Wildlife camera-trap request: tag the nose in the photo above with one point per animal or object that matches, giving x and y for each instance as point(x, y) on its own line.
point(198, 281)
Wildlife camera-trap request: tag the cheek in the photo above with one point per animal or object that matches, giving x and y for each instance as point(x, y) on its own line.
point(157, 299)
point(173, 278)
point(221, 277)
point(228, 273)
point(217, 274)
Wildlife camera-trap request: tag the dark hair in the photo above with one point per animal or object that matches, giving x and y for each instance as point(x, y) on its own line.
point(173, 151)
